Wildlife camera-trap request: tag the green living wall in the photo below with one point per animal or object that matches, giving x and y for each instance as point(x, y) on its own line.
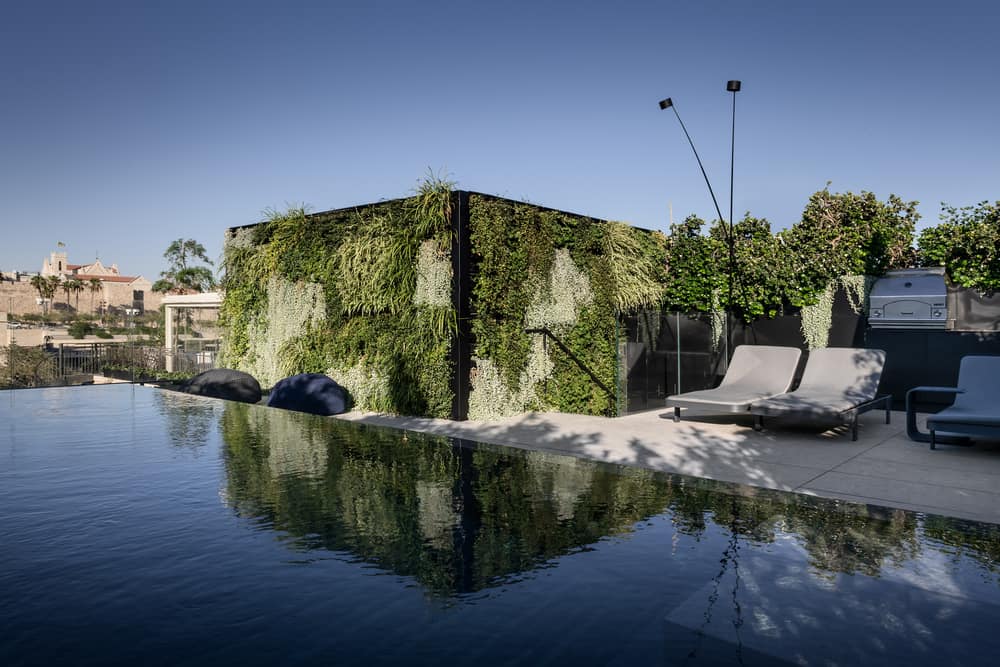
point(366, 294)
point(363, 295)
point(547, 290)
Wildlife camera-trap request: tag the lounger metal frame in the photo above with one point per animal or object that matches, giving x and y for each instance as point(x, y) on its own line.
point(879, 402)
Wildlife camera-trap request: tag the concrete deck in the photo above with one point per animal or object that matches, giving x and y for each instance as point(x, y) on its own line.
point(883, 467)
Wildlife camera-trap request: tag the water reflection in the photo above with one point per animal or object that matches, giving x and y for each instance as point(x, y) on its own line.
point(463, 518)
point(189, 419)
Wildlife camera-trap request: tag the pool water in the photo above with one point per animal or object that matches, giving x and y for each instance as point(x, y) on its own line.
point(139, 526)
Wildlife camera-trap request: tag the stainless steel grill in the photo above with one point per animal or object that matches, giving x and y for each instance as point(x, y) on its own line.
point(909, 299)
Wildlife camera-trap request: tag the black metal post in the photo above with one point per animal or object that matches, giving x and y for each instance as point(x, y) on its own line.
point(461, 286)
point(669, 104)
point(733, 87)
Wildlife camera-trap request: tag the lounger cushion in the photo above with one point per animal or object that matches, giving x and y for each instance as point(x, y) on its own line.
point(755, 372)
point(836, 380)
point(813, 405)
point(977, 408)
point(950, 416)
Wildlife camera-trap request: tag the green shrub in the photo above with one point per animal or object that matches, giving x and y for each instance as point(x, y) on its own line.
point(967, 244)
point(80, 329)
point(26, 367)
point(845, 234)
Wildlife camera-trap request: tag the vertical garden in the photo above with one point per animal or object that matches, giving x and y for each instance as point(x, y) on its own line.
point(465, 305)
point(387, 298)
point(362, 294)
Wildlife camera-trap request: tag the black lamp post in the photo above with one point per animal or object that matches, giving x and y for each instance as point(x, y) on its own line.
point(669, 104)
point(733, 87)
point(729, 229)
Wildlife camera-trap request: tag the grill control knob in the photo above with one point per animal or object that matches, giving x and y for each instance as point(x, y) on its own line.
point(936, 313)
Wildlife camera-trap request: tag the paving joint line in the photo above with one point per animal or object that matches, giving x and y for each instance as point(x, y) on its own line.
point(845, 461)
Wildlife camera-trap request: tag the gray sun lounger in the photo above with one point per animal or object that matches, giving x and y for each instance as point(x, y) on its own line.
point(975, 412)
point(755, 372)
point(839, 383)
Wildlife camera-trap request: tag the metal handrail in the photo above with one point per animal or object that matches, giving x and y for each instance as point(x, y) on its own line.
point(545, 331)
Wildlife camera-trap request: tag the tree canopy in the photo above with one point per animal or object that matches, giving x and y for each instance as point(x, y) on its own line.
point(184, 274)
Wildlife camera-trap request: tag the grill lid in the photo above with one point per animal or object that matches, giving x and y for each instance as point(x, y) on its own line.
point(908, 298)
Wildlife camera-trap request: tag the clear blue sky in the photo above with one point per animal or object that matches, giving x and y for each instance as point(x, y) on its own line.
point(125, 125)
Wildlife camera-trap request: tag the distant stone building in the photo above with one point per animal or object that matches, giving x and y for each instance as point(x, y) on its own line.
point(116, 293)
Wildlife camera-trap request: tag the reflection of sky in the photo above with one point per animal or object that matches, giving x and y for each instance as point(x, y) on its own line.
point(945, 570)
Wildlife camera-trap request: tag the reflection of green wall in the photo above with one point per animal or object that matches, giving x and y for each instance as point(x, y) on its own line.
point(454, 518)
point(462, 519)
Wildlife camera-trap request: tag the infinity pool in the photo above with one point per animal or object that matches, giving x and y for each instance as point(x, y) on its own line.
point(139, 526)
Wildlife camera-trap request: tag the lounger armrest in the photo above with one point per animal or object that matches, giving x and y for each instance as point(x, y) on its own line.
point(933, 390)
point(911, 410)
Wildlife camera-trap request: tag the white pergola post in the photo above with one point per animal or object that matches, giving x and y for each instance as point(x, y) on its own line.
point(168, 337)
point(171, 304)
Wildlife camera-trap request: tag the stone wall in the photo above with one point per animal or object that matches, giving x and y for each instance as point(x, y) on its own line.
point(19, 298)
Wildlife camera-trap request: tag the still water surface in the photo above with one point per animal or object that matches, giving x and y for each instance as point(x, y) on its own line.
point(144, 527)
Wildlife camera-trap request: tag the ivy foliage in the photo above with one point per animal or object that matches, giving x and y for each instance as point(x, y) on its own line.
point(570, 275)
point(846, 234)
point(334, 292)
point(967, 244)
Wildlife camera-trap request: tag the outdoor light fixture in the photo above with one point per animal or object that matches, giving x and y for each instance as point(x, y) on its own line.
point(669, 104)
point(732, 86)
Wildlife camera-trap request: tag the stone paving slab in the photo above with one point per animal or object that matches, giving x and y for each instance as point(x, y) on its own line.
point(883, 467)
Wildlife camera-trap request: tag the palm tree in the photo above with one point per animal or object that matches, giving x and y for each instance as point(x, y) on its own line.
point(39, 283)
point(94, 285)
point(75, 285)
point(46, 286)
point(66, 290)
point(53, 287)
